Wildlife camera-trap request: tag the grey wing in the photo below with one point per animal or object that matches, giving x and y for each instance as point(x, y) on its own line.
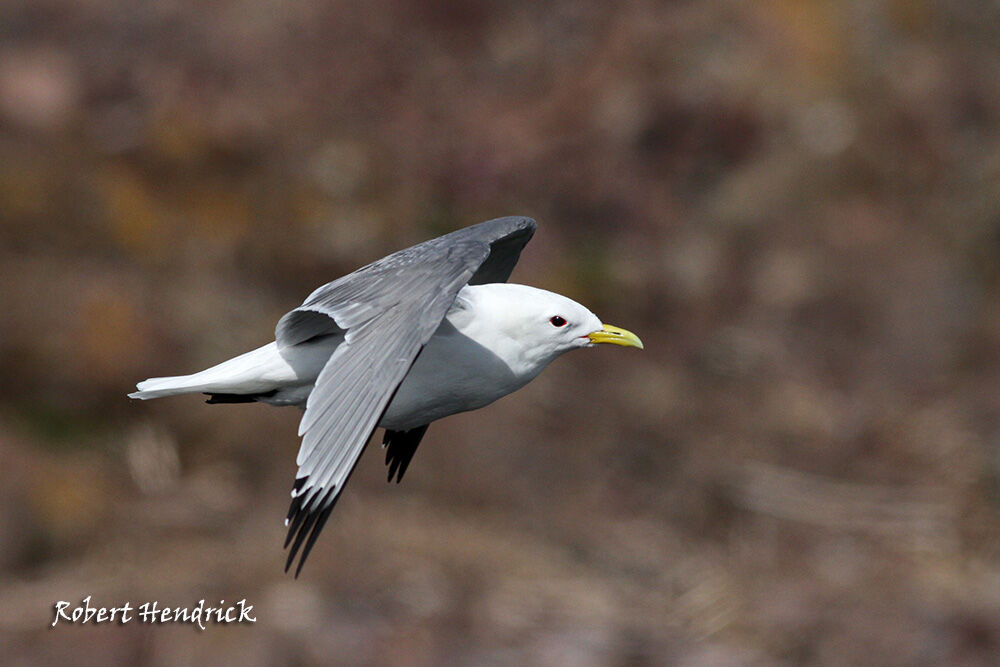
point(386, 312)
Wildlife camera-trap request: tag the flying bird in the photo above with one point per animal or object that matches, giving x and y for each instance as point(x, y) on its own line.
point(424, 333)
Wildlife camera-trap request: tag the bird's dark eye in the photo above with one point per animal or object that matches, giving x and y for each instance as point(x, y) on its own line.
point(557, 321)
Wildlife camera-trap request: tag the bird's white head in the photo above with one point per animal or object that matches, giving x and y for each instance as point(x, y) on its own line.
point(529, 327)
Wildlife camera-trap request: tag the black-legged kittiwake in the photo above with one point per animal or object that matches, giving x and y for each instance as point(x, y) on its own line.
point(424, 333)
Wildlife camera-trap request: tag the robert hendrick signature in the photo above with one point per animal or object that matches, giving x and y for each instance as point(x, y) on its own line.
point(154, 612)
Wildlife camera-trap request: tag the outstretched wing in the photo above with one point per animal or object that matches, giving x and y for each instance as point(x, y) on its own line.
point(386, 312)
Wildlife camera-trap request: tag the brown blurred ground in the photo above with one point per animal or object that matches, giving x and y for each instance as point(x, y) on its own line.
point(796, 204)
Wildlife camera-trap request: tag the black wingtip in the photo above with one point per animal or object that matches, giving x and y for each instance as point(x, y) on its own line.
point(389, 455)
point(296, 512)
point(306, 519)
point(323, 516)
point(300, 535)
point(399, 449)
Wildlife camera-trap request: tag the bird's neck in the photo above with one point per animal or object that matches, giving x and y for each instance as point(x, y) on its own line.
point(482, 326)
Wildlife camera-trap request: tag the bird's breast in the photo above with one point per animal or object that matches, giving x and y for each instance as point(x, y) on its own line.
point(453, 373)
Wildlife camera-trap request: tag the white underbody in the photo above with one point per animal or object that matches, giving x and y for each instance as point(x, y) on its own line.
point(465, 365)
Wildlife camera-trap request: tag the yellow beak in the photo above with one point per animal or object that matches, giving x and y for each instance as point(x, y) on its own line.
point(615, 336)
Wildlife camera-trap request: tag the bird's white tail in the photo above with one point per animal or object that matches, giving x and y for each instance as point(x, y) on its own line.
point(257, 371)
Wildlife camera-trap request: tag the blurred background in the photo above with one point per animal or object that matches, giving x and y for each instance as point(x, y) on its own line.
point(795, 203)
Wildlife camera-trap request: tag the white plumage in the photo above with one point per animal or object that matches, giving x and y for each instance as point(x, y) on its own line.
point(422, 334)
point(495, 339)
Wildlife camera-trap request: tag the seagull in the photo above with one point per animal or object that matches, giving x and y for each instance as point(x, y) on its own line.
point(421, 334)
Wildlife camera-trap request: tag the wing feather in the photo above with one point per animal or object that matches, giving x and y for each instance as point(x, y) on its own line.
point(387, 311)
point(400, 446)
